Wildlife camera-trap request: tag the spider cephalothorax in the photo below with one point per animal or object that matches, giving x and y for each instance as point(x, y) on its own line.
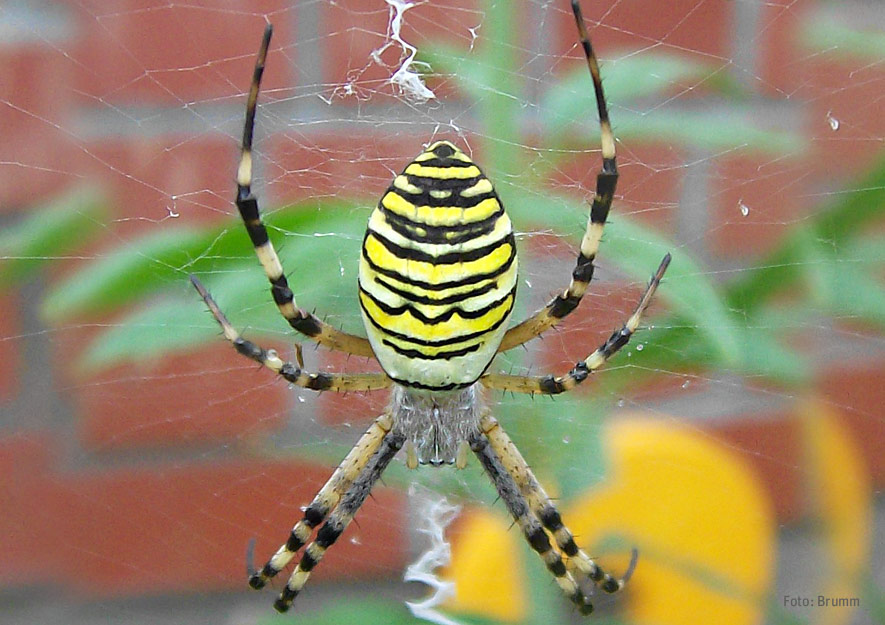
point(437, 283)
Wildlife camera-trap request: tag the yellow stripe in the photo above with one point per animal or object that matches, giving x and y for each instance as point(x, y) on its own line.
point(442, 173)
point(482, 186)
point(435, 274)
point(505, 282)
point(440, 215)
point(406, 324)
point(402, 182)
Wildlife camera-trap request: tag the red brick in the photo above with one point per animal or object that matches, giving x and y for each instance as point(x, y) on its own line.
point(782, 58)
point(139, 51)
point(150, 179)
point(187, 527)
point(689, 27)
point(356, 409)
point(848, 91)
point(772, 444)
point(357, 165)
point(10, 345)
point(174, 528)
point(205, 396)
point(857, 390)
point(31, 510)
point(648, 187)
point(37, 152)
point(774, 193)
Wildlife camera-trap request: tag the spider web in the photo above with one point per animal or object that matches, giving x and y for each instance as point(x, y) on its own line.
point(140, 453)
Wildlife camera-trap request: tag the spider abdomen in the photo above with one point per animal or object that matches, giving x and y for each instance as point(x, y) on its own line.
point(438, 272)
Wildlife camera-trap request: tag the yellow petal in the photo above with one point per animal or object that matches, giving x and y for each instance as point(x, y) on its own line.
point(839, 492)
point(487, 569)
point(702, 523)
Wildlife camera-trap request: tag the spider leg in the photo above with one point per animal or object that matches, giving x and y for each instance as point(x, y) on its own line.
point(552, 385)
point(512, 496)
point(351, 468)
point(606, 182)
point(340, 518)
point(578, 563)
point(339, 382)
point(247, 203)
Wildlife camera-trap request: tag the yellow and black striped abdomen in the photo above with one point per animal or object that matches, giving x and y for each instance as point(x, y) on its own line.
point(438, 272)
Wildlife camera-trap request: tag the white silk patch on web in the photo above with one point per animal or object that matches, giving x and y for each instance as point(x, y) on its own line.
point(435, 513)
point(409, 82)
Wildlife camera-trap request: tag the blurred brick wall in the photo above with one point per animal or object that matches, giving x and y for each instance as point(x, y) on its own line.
point(142, 481)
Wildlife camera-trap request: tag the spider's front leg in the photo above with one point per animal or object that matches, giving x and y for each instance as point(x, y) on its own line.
point(340, 382)
point(247, 203)
point(606, 183)
point(553, 385)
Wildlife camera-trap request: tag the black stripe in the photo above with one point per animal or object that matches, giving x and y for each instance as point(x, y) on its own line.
point(280, 291)
point(537, 538)
point(449, 258)
point(606, 182)
point(329, 533)
point(440, 234)
point(431, 387)
point(562, 306)
point(441, 343)
point(293, 543)
point(314, 514)
point(557, 567)
point(583, 271)
point(307, 562)
point(443, 184)
point(550, 385)
point(414, 353)
point(247, 204)
point(443, 163)
point(550, 518)
point(441, 286)
point(451, 299)
point(464, 314)
point(424, 198)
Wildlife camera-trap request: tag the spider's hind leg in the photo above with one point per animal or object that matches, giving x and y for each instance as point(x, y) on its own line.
point(340, 517)
point(327, 499)
point(525, 497)
point(531, 526)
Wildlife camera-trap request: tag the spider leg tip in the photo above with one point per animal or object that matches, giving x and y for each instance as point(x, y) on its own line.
point(281, 605)
point(251, 571)
point(634, 559)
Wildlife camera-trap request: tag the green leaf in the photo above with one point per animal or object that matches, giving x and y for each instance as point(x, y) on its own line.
point(472, 75)
point(179, 321)
point(360, 609)
point(125, 273)
point(632, 76)
point(167, 325)
point(826, 31)
point(834, 225)
point(164, 257)
point(853, 294)
point(638, 251)
point(49, 233)
point(718, 129)
point(764, 356)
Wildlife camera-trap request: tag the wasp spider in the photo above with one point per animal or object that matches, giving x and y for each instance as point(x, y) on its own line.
point(437, 281)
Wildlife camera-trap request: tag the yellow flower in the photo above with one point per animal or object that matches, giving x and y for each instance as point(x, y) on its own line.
point(701, 521)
